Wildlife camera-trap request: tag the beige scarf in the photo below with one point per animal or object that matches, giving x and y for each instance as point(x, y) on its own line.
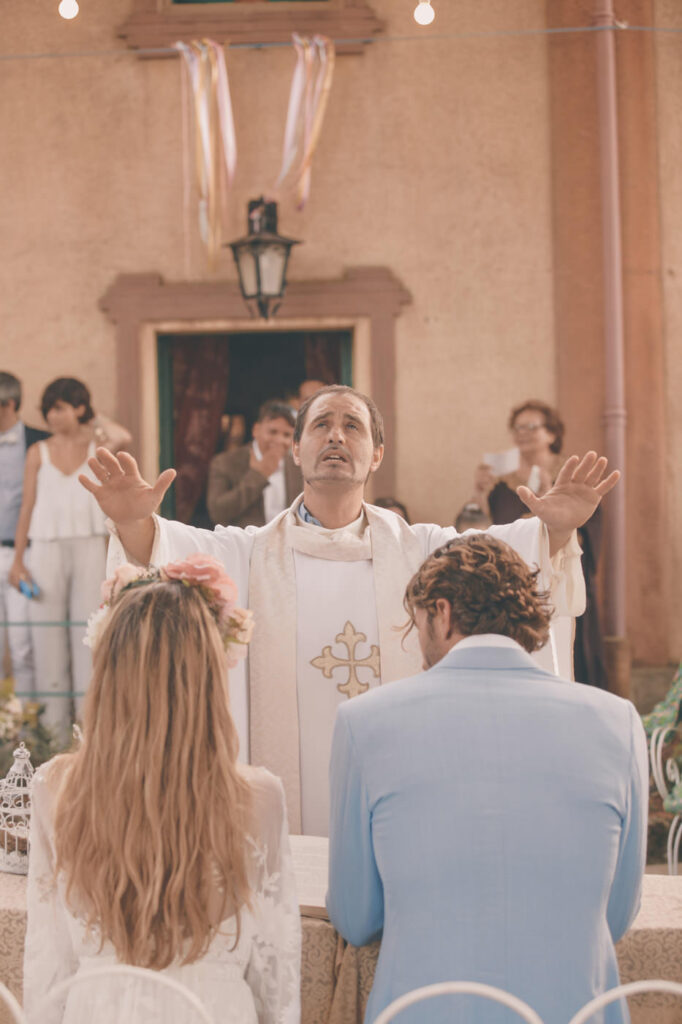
point(273, 704)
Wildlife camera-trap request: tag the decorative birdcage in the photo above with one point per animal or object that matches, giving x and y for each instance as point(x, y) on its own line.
point(15, 813)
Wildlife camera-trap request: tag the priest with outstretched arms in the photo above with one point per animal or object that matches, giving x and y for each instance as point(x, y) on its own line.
point(325, 581)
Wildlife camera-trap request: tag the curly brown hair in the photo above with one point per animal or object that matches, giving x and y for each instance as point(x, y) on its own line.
point(553, 422)
point(489, 588)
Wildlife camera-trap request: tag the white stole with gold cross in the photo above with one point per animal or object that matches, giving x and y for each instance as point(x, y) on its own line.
point(328, 608)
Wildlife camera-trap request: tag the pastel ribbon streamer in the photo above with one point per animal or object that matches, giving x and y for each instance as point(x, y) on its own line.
point(310, 87)
point(215, 141)
point(226, 119)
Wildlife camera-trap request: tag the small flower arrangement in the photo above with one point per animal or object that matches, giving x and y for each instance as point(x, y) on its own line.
point(11, 718)
point(200, 571)
point(22, 722)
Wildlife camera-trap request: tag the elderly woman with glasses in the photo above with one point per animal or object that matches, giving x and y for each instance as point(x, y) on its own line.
point(538, 433)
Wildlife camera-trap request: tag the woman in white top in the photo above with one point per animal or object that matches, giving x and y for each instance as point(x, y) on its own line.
point(66, 560)
point(150, 845)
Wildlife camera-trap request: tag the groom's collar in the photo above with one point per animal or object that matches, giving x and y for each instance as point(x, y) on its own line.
point(488, 650)
point(488, 640)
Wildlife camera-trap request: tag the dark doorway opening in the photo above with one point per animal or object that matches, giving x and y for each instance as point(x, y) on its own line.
point(209, 383)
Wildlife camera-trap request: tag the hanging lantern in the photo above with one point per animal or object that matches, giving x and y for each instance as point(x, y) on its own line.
point(15, 813)
point(262, 257)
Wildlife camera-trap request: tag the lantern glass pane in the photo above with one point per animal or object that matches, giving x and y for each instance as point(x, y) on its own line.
point(272, 262)
point(248, 272)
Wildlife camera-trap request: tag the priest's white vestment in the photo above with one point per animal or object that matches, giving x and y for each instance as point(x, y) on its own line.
point(328, 607)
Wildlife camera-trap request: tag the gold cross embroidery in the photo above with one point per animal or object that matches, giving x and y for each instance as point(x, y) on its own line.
point(327, 662)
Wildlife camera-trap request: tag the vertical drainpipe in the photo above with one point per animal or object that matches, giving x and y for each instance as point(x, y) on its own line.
point(614, 395)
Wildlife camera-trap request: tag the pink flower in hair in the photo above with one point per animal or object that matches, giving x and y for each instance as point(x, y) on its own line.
point(124, 575)
point(241, 620)
point(238, 634)
point(204, 571)
point(201, 571)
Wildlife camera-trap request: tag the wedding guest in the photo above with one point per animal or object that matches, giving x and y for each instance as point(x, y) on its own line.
point(15, 440)
point(538, 433)
point(150, 846)
point(488, 819)
point(251, 485)
point(66, 560)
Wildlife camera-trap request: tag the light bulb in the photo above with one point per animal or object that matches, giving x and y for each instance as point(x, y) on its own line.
point(423, 12)
point(68, 9)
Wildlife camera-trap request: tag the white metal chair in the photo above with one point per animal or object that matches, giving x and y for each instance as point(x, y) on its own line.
point(9, 1001)
point(671, 773)
point(472, 988)
point(122, 970)
point(622, 992)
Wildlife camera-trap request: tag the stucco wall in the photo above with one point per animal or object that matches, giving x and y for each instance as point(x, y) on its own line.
point(434, 160)
point(669, 69)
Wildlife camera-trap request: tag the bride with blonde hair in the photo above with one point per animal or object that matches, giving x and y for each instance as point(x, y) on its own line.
point(150, 845)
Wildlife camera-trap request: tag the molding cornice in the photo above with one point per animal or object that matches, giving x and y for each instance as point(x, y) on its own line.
point(160, 23)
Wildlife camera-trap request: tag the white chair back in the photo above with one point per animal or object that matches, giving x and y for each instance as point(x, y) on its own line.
point(671, 773)
point(122, 970)
point(473, 988)
point(12, 1004)
point(622, 992)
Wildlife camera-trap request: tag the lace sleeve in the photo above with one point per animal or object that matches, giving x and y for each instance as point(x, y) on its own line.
point(274, 970)
point(48, 951)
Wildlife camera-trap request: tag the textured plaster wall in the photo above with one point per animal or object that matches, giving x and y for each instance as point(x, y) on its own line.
point(91, 184)
point(669, 67)
point(434, 161)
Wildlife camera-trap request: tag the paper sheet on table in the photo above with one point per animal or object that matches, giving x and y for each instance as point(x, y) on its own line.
point(311, 861)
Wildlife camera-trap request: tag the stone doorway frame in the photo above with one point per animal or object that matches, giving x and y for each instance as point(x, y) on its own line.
point(366, 300)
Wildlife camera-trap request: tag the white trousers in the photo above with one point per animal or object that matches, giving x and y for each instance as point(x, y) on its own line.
point(69, 573)
point(17, 637)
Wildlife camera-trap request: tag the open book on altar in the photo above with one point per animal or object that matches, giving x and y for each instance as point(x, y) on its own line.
point(311, 859)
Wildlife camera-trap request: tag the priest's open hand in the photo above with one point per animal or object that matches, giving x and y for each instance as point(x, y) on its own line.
point(577, 490)
point(122, 493)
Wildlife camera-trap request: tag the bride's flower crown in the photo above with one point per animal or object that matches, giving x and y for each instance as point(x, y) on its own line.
point(200, 571)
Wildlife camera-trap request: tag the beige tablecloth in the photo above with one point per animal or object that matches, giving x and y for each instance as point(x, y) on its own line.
point(336, 978)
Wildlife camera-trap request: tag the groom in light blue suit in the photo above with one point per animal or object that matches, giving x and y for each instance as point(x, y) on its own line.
point(488, 819)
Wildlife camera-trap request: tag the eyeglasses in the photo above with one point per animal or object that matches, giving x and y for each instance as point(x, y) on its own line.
point(526, 428)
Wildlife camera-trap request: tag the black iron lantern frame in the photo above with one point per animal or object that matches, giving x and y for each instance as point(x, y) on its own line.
point(262, 258)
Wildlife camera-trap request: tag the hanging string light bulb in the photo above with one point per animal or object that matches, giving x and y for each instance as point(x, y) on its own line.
point(68, 9)
point(424, 12)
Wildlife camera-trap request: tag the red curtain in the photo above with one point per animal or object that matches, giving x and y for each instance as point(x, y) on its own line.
point(323, 357)
point(200, 375)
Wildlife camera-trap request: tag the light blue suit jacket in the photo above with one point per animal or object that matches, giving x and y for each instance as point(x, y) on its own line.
point(490, 820)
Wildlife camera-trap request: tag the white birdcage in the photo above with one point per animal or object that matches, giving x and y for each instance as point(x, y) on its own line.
point(15, 813)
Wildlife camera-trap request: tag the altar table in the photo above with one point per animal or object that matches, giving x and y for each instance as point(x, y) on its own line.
point(336, 978)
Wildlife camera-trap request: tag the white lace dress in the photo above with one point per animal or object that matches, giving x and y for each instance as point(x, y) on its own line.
point(257, 982)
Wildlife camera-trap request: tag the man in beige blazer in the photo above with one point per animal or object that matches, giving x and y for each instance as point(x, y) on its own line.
point(252, 484)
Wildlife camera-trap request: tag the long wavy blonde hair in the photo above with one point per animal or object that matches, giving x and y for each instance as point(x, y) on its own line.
point(152, 813)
